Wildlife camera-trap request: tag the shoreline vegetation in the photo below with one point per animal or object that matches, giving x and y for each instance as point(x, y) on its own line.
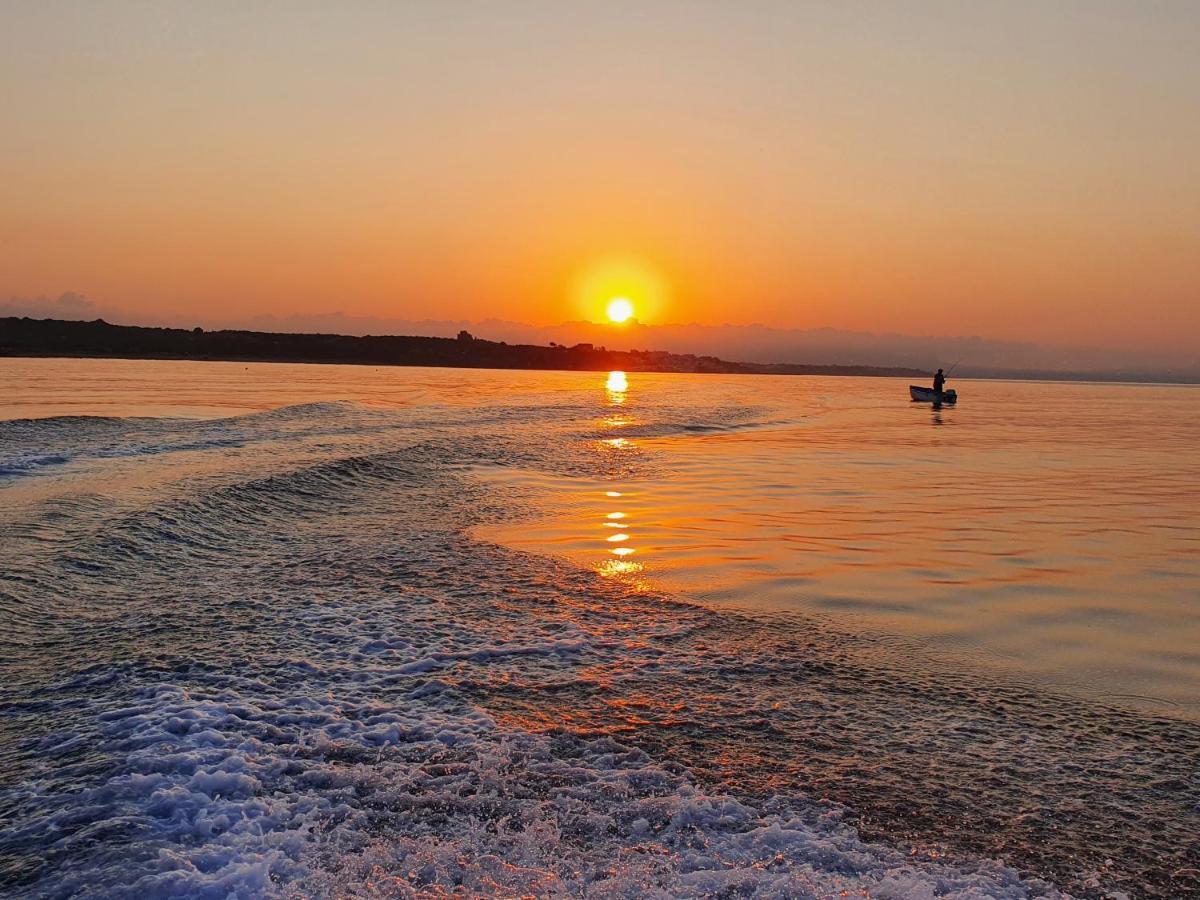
point(56, 337)
point(28, 337)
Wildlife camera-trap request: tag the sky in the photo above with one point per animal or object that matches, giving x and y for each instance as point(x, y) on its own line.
point(1020, 171)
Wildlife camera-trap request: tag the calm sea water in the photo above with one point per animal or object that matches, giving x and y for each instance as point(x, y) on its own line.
point(1049, 529)
point(324, 630)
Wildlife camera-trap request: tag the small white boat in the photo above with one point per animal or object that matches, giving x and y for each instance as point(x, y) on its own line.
point(929, 395)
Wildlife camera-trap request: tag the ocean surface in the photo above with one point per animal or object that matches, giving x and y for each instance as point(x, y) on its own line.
point(289, 630)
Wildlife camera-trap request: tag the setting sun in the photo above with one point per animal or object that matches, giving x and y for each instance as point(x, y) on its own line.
point(620, 309)
point(619, 289)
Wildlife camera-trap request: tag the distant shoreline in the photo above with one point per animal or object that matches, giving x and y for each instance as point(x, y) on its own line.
point(56, 338)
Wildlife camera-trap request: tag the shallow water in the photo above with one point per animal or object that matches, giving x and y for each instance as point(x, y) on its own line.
point(281, 629)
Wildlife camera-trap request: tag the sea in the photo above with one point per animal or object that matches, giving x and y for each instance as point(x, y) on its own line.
point(273, 630)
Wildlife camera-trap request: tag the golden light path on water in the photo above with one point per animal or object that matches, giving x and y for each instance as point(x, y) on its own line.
point(1010, 531)
point(619, 565)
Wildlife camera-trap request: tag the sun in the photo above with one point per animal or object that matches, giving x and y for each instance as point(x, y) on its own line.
point(620, 309)
point(619, 290)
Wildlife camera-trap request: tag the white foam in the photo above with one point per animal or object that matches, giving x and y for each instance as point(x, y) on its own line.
point(335, 793)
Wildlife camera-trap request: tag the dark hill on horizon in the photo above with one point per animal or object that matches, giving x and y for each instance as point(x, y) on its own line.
point(57, 337)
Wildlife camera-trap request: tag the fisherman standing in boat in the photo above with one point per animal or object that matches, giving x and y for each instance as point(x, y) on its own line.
point(939, 381)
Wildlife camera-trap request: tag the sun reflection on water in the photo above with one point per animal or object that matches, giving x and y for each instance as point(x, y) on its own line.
point(620, 566)
point(618, 443)
point(617, 383)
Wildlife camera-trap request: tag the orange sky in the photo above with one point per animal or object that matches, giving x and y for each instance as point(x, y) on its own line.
point(1028, 171)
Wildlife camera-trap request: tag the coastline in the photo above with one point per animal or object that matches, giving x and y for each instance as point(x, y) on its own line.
point(28, 338)
point(34, 338)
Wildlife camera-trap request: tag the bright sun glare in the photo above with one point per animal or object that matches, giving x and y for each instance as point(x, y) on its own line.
point(619, 309)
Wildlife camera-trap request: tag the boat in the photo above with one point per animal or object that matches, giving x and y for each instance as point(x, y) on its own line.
point(929, 395)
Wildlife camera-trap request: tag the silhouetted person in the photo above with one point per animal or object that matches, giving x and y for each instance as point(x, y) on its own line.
point(939, 381)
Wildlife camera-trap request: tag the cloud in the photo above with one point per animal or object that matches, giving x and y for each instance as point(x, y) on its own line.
point(67, 306)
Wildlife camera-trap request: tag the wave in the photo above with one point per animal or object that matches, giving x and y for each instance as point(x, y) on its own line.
point(226, 795)
point(21, 465)
point(304, 677)
point(324, 720)
point(69, 423)
point(29, 445)
point(299, 411)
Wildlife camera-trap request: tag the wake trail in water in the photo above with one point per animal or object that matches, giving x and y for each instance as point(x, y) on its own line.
point(301, 675)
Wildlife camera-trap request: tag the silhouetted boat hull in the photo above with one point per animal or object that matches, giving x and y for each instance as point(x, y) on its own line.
point(929, 395)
